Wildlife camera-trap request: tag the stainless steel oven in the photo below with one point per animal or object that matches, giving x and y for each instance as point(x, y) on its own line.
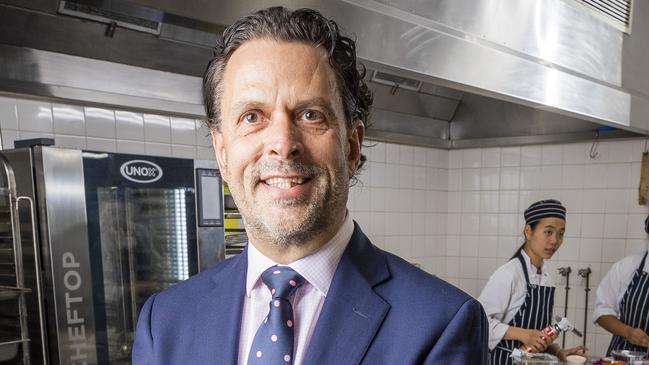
point(108, 231)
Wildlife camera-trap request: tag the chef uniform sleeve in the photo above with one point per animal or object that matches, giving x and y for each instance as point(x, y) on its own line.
point(495, 299)
point(613, 286)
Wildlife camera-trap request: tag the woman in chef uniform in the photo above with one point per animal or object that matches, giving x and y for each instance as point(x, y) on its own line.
point(519, 296)
point(622, 306)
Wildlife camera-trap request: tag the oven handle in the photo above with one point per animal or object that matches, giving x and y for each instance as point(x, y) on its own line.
point(39, 294)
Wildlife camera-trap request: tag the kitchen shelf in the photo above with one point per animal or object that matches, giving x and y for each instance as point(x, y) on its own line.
point(11, 257)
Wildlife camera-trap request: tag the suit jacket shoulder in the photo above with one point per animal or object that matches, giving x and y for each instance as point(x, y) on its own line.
point(395, 313)
point(196, 321)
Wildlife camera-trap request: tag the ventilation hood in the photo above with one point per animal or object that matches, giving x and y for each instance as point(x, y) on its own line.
point(445, 73)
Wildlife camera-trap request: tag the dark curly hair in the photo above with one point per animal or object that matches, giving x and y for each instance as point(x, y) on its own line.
point(302, 25)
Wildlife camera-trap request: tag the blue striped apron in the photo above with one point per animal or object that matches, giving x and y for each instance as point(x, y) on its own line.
point(634, 309)
point(535, 313)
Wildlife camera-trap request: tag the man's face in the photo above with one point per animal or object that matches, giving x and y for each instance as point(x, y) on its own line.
point(283, 146)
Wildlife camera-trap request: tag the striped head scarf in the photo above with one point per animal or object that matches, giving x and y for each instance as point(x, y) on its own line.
point(549, 208)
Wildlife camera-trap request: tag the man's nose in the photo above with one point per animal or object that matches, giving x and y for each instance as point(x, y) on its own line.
point(283, 137)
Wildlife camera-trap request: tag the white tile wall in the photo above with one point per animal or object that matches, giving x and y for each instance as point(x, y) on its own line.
point(101, 144)
point(130, 125)
point(134, 147)
point(455, 214)
point(34, 116)
point(100, 122)
point(157, 128)
point(8, 114)
point(401, 202)
point(183, 131)
point(69, 120)
point(604, 221)
point(101, 129)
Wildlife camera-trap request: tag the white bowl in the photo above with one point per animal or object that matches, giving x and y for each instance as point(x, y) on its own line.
point(575, 359)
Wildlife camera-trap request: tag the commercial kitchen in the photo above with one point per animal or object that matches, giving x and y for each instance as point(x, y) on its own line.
point(111, 191)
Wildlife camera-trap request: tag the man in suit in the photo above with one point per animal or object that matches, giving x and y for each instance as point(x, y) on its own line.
point(287, 108)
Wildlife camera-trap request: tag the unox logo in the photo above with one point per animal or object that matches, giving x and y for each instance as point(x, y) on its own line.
point(141, 171)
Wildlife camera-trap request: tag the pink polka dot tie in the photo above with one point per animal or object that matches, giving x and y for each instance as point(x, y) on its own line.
point(273, 343)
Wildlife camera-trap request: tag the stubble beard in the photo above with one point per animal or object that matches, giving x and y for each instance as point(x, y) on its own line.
point(320, 210)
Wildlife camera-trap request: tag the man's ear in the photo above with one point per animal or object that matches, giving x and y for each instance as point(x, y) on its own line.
point(355, 138)
point(219, 151)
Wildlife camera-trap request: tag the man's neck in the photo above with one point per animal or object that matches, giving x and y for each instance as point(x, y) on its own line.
point(290, 253)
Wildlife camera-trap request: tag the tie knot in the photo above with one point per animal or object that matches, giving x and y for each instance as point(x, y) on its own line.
point(282, 281)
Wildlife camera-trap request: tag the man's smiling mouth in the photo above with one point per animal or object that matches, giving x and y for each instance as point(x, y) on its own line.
point(284, 182)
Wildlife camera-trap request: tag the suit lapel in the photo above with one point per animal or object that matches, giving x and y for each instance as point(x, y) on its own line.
point(352, 312)
point(218, 315)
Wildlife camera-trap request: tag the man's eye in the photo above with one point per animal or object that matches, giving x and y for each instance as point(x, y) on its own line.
point(250, 118)
point(312, 115)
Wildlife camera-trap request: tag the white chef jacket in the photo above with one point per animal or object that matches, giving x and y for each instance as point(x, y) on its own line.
point(504, 294)
point(613, 286)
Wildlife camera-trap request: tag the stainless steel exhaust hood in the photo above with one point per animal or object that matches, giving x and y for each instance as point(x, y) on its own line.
point(445, 73)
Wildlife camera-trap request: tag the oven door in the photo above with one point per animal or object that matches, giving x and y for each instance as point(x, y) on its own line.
point(142, 239)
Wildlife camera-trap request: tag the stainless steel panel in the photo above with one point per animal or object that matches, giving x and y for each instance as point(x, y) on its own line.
point(64, 34)
point(635, 58)
point(388, 121)
point(408, 139)
point(467, 65)
point(62, 76)
point(481, 117)
point(63, 199)
point(414, 103)
point(541, 139)
point(550, 30)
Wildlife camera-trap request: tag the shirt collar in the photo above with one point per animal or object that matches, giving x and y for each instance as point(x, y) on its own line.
point(531, 268)
point(318, 268)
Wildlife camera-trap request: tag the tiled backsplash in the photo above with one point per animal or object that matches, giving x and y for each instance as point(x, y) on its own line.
point(103, 129)
point(490, 188)
point(401, 203)
point(456, 214)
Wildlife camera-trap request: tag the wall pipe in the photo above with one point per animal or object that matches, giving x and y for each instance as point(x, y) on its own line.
point(585, 273)
point(565, 271)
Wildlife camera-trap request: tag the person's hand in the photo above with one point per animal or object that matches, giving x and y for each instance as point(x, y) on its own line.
point(533, 340)
point(579, 350)
point(638, 337)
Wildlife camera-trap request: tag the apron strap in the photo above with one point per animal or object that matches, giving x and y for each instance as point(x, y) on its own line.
point(520, 258)
point(641, 267)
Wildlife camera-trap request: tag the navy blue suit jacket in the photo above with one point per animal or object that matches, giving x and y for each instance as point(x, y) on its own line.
point(379, 310)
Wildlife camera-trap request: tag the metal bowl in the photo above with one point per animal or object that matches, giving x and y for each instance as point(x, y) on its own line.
point(628, 355)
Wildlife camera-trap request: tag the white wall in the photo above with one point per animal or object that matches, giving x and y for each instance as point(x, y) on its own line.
point(456, 214)
point(490, 188)
point(103, 129)
point(401, 202)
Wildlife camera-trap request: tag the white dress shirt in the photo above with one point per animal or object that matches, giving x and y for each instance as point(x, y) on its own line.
point(504, 294)
point(317, 269)
point(613, 286)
